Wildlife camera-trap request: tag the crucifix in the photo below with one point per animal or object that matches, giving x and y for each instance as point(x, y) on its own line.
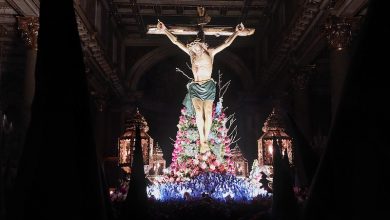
point(202, 89)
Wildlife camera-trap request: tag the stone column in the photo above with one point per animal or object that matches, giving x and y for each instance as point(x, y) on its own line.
point(28, 26)
point(339, 34)
point(301, 99)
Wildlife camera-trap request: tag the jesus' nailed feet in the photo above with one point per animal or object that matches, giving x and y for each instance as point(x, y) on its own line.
point(204, 147)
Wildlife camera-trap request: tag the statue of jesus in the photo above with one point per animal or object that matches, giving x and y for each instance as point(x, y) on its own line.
point(201, 91)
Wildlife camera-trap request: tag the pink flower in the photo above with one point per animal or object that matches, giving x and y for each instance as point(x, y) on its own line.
point(212, 167)
point(203, 165)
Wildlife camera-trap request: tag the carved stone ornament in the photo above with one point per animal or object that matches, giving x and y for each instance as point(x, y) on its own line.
point(338, 32)
point(29, 28)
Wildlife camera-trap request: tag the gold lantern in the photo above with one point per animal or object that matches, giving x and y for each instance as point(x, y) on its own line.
point(240, 162)
point(126, 142)
point(273, 127)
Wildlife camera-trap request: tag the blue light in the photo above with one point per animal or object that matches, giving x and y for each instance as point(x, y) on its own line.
point(217, 186)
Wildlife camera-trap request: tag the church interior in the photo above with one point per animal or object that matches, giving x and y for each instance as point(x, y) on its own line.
point(85, 83)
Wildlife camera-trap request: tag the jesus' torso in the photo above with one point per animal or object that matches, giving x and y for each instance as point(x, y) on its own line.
point(202, 66)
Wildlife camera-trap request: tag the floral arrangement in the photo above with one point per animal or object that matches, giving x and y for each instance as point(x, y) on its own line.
point(187, 162)
point(217, 186)
point(193, 174)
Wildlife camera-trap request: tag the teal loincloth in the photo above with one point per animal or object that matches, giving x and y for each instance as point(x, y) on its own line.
point(205, 91)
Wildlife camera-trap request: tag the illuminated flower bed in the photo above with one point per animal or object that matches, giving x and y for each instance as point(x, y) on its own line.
point(214, 185)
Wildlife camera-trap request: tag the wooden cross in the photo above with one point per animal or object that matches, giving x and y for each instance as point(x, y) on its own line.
point(202, 20)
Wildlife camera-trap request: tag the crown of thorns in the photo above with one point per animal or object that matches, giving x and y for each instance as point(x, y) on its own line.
point(197, 41)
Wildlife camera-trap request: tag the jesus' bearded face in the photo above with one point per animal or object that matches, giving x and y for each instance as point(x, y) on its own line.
point(197, 47)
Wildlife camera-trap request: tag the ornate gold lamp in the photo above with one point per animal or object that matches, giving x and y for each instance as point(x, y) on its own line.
point(240, 162)
point(126, 143)
point(273, 127)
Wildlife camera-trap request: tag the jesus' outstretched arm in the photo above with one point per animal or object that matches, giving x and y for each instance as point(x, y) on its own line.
point(229, 40)
point(173, 38)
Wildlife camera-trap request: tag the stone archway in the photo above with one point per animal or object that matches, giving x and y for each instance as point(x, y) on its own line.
point(152, 58)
